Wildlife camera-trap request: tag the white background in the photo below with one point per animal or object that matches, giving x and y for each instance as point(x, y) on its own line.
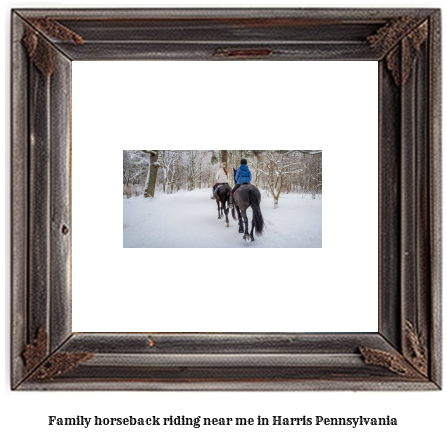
point(418, 414)
point(192, 105)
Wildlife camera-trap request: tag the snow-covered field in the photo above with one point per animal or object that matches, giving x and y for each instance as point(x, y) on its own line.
point(189, 220)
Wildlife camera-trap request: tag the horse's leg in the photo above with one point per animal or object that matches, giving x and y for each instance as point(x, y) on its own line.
point(239, 216)
point(218, 209)
point(252, 228)
point(244, 215)
point(226, 209)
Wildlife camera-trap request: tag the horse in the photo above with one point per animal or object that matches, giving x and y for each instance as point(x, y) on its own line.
point(246, 196)
point(222, 196)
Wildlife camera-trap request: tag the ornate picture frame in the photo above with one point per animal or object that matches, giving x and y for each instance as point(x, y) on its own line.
point(405, 353)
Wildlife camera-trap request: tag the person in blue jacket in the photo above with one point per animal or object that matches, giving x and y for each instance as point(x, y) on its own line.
point(243, 175)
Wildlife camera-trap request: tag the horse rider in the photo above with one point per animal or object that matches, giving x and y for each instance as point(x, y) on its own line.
point(243, 175)
point(222, 178)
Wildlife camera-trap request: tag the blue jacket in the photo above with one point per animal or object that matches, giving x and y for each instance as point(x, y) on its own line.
point(243, 174)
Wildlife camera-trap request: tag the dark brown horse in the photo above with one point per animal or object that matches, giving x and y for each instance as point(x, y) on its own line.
point(222, 196)
point(246, 196)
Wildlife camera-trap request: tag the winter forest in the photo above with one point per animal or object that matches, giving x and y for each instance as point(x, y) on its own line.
point(164, 190)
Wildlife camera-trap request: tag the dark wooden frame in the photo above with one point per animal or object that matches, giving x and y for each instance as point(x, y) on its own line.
point(405, 354)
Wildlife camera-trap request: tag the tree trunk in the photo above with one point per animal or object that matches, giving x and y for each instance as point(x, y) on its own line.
point(224, 156)
point(151, 179)
point(164, 179)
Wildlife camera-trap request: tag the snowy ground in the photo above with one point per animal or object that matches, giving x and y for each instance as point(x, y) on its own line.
point(189, 220)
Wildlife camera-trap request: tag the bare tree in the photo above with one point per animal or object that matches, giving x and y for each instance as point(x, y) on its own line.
point(257, 175)
point(275, 171)
point(151, 179)
point(193, 167)
point(128, 168)
point(168, 162)
point(224, 156)
point(313, 172)
point(134, 165)
point(277, 167)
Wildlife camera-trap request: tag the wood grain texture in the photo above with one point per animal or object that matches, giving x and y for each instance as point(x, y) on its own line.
point(390, 201)
point(409, 335)
point(39, 51)
point(56, 30)
point(343, 14)
point(60, 202)
point(221, 384)
point(415, 251)
point(301, 34)
point(225, 343)
point(19, 201)
point(396, 363)
point(39, 201)
point(435, 196)
point(59, 364)
point(203, 51)
point(36, 351)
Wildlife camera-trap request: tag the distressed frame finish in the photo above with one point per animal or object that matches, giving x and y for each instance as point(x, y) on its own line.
point(405, 354)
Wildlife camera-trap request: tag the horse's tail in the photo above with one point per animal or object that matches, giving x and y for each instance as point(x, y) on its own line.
point(257, 215)
point(233, 213)
point(228, 193)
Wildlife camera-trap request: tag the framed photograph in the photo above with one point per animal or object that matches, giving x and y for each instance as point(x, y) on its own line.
point(251, 340)
point(263, 176)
